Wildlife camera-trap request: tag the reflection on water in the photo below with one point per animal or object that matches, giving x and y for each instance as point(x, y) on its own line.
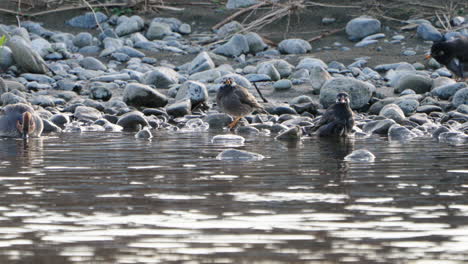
point(108, 198)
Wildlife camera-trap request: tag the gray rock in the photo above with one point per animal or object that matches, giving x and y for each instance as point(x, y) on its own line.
point(256, 43)
point(361, 27)
point(87, 20)
point(6, 57)
point(460, 97)
point(463, 109)
point(409, 52)
point(91, 63)
point(193, 90)
point(281, 85)
point(180, 108)
point(132, 121)
point(239, 155)
point(185, 29)
point(258, 77)
point(121, 57)
point(43, 100)
point(25, 57)
point(392, 111)
point(50, 127)
point(218, 121)
point(236, 46)
point(360, 155)
point(14, 85)
point(294, 46)
point(428, 32)
point(140, 95)
point(360, 92)
point(408, 106)
point(365, 43)
point(379, 127)
point(419, 118)
point(41, 46)
point(201, 62)
point(86, 113)
point(131, 52)
point(446, 91)
point(428, 109)
point(232, 4)
point(60, 120)
point(270, 71)
point(283, 67)
point(206, 76)
point(40, 78)
point(309, 63)
point(229, 28)
point(418, 83)
point(11, 98)
point(129, 26)
point(144, 134)
point(100, 92)
point(400, 133)
point(83, 39)
point(161, 77)
point(455, 138)
point(318, 76)
point(158, 30)
point(292, 133)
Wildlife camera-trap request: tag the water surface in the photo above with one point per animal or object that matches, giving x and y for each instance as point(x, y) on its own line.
point(109, 198)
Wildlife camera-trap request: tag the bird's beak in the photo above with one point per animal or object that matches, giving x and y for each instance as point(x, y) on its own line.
point(428, 56)
point(343, 100)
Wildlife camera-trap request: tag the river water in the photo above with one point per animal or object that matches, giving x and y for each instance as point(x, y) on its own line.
point(110, 198)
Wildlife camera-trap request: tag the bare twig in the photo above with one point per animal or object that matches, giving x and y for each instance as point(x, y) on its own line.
point(260, 93)
point(238, 13)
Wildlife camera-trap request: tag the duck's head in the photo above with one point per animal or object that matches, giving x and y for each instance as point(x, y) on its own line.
point(26, 125)
point(342, 98)
point(229, 81)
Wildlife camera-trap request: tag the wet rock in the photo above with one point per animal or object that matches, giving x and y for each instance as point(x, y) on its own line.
point(361, 27)
point(400, 133)
point(129, 25)
point(392, 111)
point(360, 92)
point(282, 109)
point(239, 155)
point(292, 133)
point(25, 57)
point(446, 91)
point(318, 76)
point(91, 63)
point(428, 32)
point(193, 90)
point(60, 120)
point(247, 130)
point(218, 121)
point(86, 113)
point(132, 121)
point(255, 42)
point(158, 30)
point(201, 62)
point(161, 77)
point(360, 155)
point(140, 95)
point(87, 20)
point(460, 97)
point(294, 46)
point(455, 138)
point(145, 133)
point(83, 39)
point(438, 131)
point(228, 140)
point(282, 85)
point(418, 83)
point(420, 118)
point(428, 109)
point(379, 127)
point(50, 127)
point(180, 108)
point(236, 46)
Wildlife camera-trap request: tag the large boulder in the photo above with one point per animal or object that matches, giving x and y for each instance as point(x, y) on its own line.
point(236, 46)
point(161, 77)
point(294, 46)
point(25, 57)
point(140, 95)
point(361, 27)
point(360, 92)
point(158, 30)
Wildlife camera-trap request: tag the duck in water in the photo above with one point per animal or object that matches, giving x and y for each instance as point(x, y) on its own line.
point(236, 101)
point(338, 118)
point(20, 120)
point(453, 54)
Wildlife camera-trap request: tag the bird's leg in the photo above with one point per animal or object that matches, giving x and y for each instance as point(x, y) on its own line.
point(234, 123)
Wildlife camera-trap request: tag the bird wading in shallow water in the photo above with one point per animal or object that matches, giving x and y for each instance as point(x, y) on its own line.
point(20, 120)
point(453, 54)
point(338, 118)
point(236, 101)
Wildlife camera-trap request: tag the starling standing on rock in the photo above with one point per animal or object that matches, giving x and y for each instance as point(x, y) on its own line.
point(338, 118)
point(236, 101)
point(20, 120)
point(453, 54)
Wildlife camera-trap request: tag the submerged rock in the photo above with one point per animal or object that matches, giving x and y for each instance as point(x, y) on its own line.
point(400, 133)
point(228, 140)
point(360, 155)
point(239, 155)
point(292, 133)
point(145, 133)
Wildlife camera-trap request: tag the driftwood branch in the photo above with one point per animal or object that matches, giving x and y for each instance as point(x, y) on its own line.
point(325, 34)
point(238, 13)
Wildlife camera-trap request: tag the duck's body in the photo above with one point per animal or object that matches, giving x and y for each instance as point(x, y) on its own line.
point(453, 54)
point(236, 101)
point(20, 120)
point(338, 118)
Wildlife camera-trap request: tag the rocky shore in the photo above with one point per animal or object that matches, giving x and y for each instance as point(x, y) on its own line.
point(109, 82)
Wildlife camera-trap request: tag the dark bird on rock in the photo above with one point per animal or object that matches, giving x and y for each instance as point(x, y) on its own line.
point(338, 118)
point(20, 120)
point(236, 101)
point(453, 54)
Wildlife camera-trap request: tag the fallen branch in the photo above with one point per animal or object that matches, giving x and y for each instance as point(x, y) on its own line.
point(325, 34)
point(95, 16)
point(328, 5)
point(238, 13)
point(260, 93)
